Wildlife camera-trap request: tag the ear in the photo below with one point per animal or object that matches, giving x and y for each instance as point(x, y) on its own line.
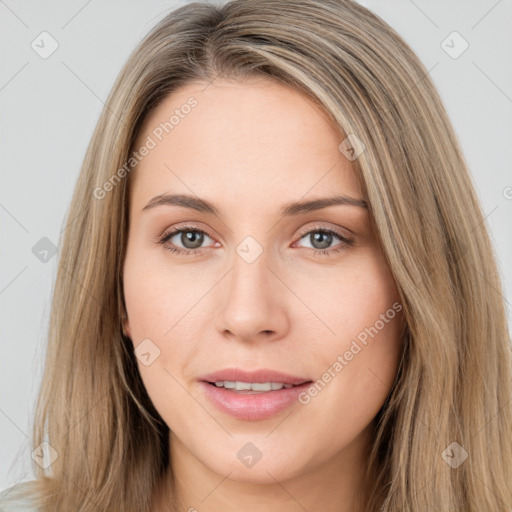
point(126, 327)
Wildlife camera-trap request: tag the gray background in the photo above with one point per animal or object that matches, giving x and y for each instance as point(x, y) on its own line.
point(49, 108)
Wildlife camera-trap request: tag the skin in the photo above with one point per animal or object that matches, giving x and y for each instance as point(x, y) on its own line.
point(251, 147)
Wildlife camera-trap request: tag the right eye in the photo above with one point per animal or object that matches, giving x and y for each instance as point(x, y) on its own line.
point(190, 237)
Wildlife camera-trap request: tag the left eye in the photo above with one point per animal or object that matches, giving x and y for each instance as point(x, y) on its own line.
point(192, 239)
point(321, 239)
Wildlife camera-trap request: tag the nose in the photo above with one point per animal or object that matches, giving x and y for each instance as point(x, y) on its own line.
point(252, 302)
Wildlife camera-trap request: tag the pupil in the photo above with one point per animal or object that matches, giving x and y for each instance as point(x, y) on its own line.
point(192, 236)
point(327, 241)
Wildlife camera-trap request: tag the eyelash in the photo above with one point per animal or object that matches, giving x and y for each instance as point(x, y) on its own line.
point(324, 252)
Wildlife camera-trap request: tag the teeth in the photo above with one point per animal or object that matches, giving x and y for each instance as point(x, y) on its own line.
point(252, 386)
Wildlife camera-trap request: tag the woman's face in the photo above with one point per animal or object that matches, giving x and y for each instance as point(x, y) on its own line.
point(256, 282)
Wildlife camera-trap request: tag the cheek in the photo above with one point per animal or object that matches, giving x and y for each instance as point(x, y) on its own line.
point(357, 356)
point(157, 294)
point(349, 298)
point(164, 306)
point(157, 300)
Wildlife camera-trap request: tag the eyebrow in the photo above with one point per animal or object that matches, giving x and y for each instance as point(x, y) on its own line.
point(295, 208)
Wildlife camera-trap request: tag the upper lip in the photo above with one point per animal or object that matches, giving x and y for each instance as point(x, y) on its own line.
point(262, 375)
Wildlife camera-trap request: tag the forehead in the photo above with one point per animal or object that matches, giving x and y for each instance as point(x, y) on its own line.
point(255, 140)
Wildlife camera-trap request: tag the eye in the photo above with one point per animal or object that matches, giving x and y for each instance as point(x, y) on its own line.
point(190, 237)
point(322, 238)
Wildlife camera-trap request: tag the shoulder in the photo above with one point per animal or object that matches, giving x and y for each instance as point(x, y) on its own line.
point(19, 498)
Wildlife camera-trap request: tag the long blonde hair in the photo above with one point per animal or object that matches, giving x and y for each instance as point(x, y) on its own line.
point(454, 383)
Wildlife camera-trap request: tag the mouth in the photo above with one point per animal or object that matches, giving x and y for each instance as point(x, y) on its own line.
point(253, 380)
point(253, 395)
point(252, 388)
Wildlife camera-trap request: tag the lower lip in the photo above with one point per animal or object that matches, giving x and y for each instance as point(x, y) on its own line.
point(252, 407)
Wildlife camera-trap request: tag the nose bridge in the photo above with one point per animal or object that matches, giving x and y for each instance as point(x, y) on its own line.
point(250, 300)
point(249, 281)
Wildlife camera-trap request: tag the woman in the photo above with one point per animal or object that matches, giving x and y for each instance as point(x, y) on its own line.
point(288, 298)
